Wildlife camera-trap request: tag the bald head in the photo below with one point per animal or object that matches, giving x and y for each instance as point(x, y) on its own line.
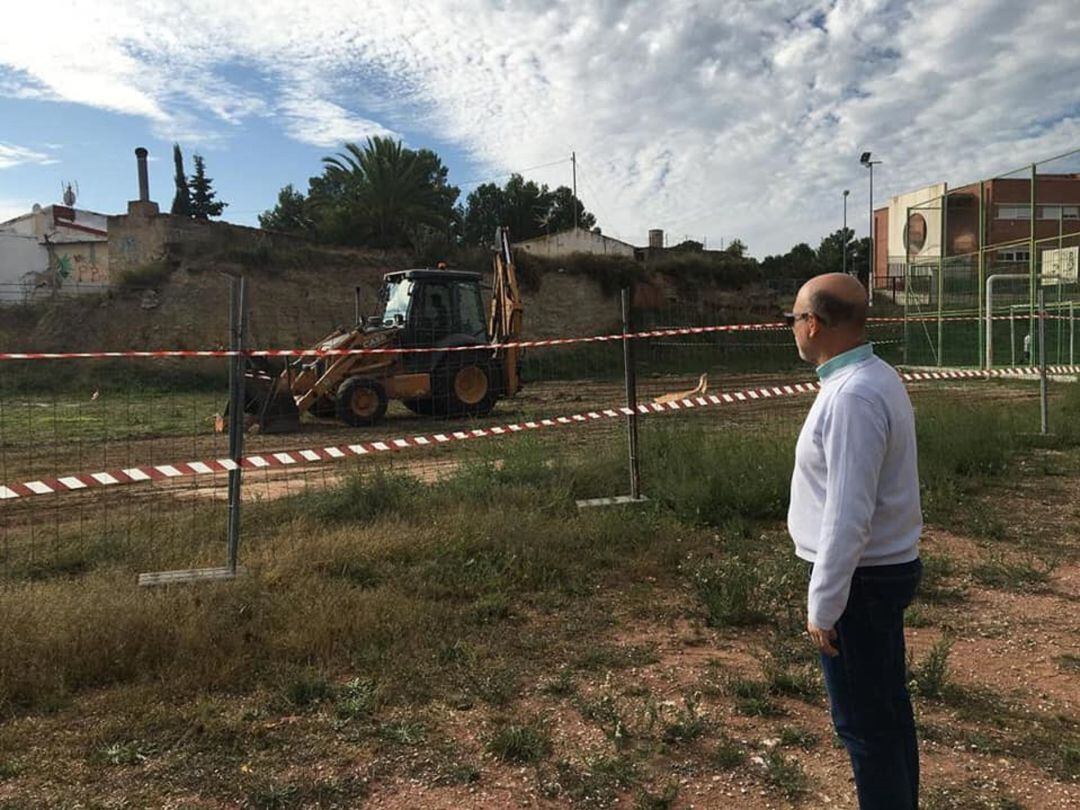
point(837, 300)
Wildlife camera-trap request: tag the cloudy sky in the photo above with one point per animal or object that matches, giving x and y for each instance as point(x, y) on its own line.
point(714, 119)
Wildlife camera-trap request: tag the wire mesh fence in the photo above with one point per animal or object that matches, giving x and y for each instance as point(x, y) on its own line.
point(983, 250)
point(123, 462)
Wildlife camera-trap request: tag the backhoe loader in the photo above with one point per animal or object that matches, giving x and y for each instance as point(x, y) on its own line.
point(434, 309)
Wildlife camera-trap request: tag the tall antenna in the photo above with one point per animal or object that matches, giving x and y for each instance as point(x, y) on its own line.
point(70, 193)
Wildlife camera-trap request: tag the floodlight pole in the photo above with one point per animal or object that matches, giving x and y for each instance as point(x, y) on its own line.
point(844, 232)
point(868, 163)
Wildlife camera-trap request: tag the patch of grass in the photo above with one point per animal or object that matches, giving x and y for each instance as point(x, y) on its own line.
point(356, 700)
point(132, 752)
point(596, 784)
point(688, 723)
point(603, 657)
point(929, 678)
point(752, 699)
point(561, 686)
point(791, 737)
point(273, 796)
point(360, 499)
point(752, 482)
point(802, 681)
point(785, 774)
point(307, 689)
point(744, 588)
point(661, 800)
point(968, 797)
point(936, 586)
point(520, 744)
point(9, 769)
point(403, 732)
point(1024, 575)
point(728, 754)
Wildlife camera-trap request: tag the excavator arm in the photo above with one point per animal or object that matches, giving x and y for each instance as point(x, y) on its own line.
point(504, 323)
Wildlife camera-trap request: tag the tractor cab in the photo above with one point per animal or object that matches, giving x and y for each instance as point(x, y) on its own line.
point(433, 308)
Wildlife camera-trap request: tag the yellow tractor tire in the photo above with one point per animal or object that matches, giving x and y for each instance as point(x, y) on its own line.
point(361, 401)
point(464, 386)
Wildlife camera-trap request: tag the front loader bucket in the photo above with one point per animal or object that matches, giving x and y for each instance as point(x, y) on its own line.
point(270, 401)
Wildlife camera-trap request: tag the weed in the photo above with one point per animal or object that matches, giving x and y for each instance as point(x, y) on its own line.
point(752, 699)
point(1030, 575)
point(802, 681)
point(595, 784)
point(562, 685)
point(934, 586)
point(791, 737)
point(728, 754)
point(785, 774)
point(665, 799)
point(930, 678)
point(918, 616)
point(968, 797)
point(688, 724)
point(606, 713)
point(9, 769)
point(520, 744)
point(273, 796)
point(356, 699)
point(125, 753)
point(613, 657)
point(403, 732)
point(307, 689)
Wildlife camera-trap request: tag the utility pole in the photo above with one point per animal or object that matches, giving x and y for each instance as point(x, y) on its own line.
point(573, 164)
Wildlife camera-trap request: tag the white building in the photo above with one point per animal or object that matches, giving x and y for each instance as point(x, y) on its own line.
point(575, 240)
point(53, 248)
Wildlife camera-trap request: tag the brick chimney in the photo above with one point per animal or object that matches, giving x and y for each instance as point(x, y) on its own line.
point(143, 206)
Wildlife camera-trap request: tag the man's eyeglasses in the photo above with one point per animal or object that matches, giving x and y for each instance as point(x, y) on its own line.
point(790, 317)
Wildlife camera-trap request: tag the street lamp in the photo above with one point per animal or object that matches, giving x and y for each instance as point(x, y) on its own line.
point(844, 232)
point(868, 163)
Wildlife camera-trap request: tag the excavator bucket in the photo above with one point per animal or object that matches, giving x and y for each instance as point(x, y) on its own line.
point(268, 401)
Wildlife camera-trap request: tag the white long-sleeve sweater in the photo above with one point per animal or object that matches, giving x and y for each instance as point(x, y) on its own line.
point(855, 488)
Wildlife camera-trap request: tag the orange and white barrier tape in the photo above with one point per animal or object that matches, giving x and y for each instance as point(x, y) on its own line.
point(288, 458)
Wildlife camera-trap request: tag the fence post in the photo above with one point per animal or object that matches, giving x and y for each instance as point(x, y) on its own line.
point(237, 328)
point(1043, 404)
point(631, 398)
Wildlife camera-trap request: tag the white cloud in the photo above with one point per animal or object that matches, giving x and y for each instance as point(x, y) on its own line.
point(322, 123)
point(14, 155)
point(723, 118)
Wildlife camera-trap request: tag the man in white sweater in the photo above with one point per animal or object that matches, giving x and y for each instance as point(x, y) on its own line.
point(855, 516)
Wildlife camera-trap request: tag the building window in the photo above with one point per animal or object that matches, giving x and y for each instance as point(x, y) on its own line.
point(1017, 254)
point(1014, 212)
point(1054, 212)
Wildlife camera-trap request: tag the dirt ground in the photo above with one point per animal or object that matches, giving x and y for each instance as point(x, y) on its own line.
point(662, 688)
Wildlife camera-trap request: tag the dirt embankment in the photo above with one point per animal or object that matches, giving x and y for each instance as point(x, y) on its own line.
point(299, 293)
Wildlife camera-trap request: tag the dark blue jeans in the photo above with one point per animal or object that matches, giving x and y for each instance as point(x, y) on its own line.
point(867, 685)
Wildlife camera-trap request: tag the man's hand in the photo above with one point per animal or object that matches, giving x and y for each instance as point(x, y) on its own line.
point(823, 639)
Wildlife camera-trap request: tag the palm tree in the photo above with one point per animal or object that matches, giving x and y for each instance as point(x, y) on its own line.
point(389, 191)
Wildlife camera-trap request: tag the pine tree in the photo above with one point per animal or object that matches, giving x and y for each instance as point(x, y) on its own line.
point(181, 204)
point(203, 204)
